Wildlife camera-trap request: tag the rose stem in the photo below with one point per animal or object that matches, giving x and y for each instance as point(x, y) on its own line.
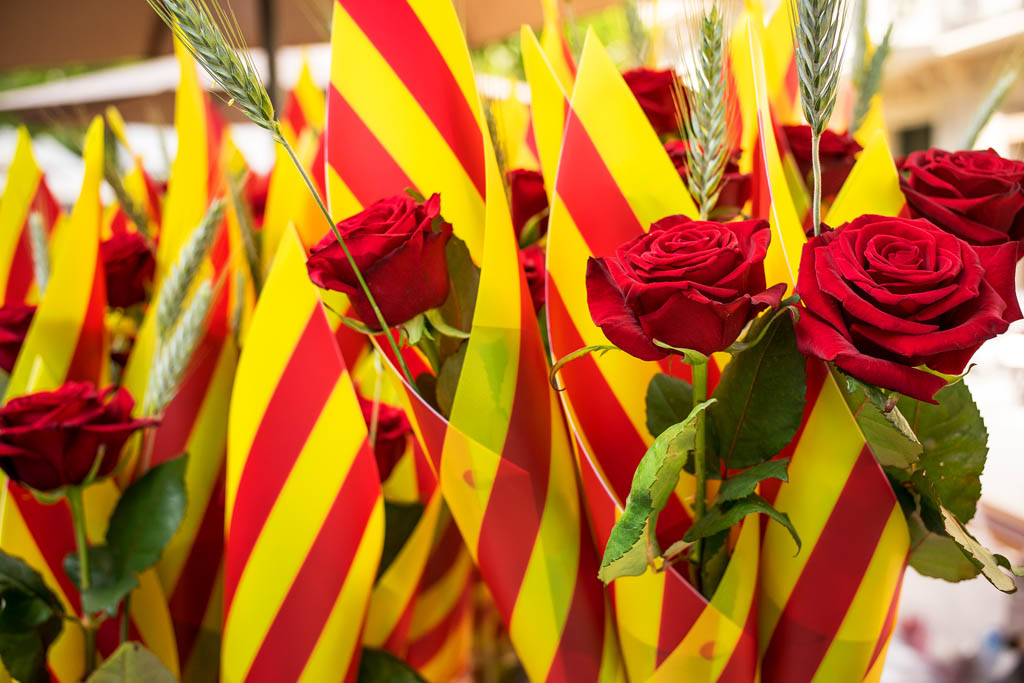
point(348, 254)
point(74, 494)
point(700, 394)
point(816, 168)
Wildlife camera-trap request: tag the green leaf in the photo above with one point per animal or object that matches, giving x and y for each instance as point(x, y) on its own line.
point(1003, 562)
point(400, 519)
point(415, 329)
point(979, 555)
point(716, 560)
point(691, 357)
point(531, 231)
point(760, 398)
point(669, 400)
point(448, 380)
point(722, 517)
point(654, 481)
point(148, 515)
point(954, 446)
point(570, 357)
point(887, 433)
point(938, 555)
point(415, 194)
point(464, 278)
point(109, 580)
point(437, 321)
point(743, 484)
point(380, 666)
point(31, 618)
point(132, 663)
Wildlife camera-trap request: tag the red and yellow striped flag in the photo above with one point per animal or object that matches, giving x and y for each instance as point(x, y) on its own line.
point(66, 342)
point(555, 45)
point(549, 106)
point(828, 612)
point(26, 192)
point(403, 112)
point(304, 512)
point(614, 180)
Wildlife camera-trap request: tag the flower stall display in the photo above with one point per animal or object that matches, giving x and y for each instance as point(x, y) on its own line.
point(662, 380)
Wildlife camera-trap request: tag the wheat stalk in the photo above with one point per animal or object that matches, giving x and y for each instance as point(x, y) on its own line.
point(704, 119)
point(40, 251)
point(1010, 74)
point(174, 355)
point(868, 79)
point(177, 283)
point(819, 28)
point(214, 39)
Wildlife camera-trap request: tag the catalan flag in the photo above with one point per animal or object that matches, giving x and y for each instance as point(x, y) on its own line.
point(614, 180)
point(828, 612)
point(555, 46)
point(305, 517)
point(67, 341)
point(26, 193)
point(549, 106)
point(403, 112)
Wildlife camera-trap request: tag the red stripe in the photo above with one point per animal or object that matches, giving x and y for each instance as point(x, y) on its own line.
point(567, 56)
point(293, 114)
point(21, 274)
point(591, 195)
point(443, 557)
point(426, 480)
point(320, 166)
point(294, 409)
point(366, 166)
point(53, 533)
point(742, 666)
point(681, 607)
point(424, 649)
point(515, 507)
point(578, 657)
point(191, 597)
point(292, 637)
point(91, 349)
point(890, 621)
point(399, 636)
point(832, 575)
point(396, 32)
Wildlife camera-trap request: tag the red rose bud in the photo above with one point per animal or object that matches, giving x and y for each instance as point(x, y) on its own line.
point(528, 199)
point(129, 264)
point(838, 154)
point(15, 320)
point(52, 439)
point(735, 186)
point(977, 196)
point(532, 259)
point(257, 187)
point(689, 284)
point(399, 246)
point(886, 295)
point(655, 91)
point(393, 430)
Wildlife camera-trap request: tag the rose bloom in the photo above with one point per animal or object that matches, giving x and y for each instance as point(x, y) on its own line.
point(532, 259)
point(526, 190)
point(15, 320)
point(257, 187)
point(838, 153)
point(655, 91)
point(735, 192)
point(886, 295)
point(393, 430)
point(977, 196)
point(128, 263)
point(51, 439)
point(689, 284)
point(399, 245)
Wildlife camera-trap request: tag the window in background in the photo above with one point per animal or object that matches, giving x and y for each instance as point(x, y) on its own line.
point(915, 138)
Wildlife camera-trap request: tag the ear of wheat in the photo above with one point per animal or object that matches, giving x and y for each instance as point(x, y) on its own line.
point(868, 79)
point(819, 29)
point(174, 355)
point(40, 251)
point(178, 281)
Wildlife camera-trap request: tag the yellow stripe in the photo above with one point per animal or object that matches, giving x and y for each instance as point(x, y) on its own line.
point(547, 107)
point(332, 656)
point(23, 177)
point(55, 329)
point(341, 202)
point(289, 201)
point(203, 665)
point(851, 649)
point(638, 604)
point(395, 118)
point(778, 54)
point(625, 140)
point(452, 658)
point(291, 528)
point(434, 604)
point(815, 483)
point(205, 447)
point(393, 591)
point(310, 97)
point(551, 38)
point(549, 584)
point(613, 669)
point(873, 186)
point(873, 123)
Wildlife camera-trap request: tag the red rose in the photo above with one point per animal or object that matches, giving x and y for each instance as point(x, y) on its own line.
point(977, 196)
point(129, 264)
point(532, 259)
point(392, 437)
point(51, 439)
point(399, 246)
point(655, 91)
point(735, 192)
point(526, 189)
point(886, 295)
point(15, 320)
point(257, 187)
point(689, 284)
point(838, 154)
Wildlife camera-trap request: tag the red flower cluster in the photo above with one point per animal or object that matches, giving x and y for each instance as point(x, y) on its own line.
point(392, 436)
point(15, 320)
point(528, 198)
point(655, 91)
point(129, 264)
